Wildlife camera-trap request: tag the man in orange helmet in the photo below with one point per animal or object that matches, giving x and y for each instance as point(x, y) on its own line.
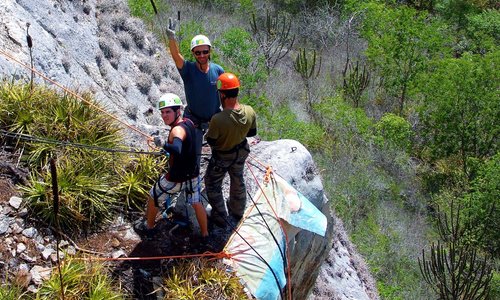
point(227, 135)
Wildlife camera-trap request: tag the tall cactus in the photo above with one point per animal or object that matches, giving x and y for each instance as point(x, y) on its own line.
point(453, 268)
point(355, 81)
point(308, 68)
point(273, 34)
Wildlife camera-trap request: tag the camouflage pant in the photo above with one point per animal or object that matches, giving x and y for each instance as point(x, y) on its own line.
point(220, 164)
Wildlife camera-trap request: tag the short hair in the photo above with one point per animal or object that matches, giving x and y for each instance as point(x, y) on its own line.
point(232, 93)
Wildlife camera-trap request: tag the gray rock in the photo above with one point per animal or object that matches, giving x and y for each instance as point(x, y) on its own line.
point(24, 267)
point(131, 235)
point(23, 212)
point(4, 226)
point(39, 274)
point(16, 228)
point(20, 248)
point(28, 258)
point(118, 253)
point(70, 250)
point(46, 253)
point(15, 202)
point(30, 232)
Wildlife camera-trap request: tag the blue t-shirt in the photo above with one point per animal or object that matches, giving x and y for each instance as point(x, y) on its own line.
point(201, 91)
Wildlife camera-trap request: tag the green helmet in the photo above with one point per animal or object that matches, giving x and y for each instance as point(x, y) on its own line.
point(169, 100)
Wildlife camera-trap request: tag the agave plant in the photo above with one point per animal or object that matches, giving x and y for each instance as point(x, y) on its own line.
point(202, 279)
point(86, 196)
point(80, 280)
point(137, 178)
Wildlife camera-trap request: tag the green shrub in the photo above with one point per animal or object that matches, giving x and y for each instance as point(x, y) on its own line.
point(238, 53)
point(185, 33)
point(393, 131)
point(350, 125)
point(283, 124)
point(481, 207)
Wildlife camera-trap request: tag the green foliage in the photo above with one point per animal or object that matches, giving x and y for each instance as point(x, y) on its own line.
point(342, 120)
point(85, 194)
point(262, 106)
point(10, 292)
point(395, 273)
point(482, 207)
point(238, 51)
point(240, 7)
point(308, 69)
point(393, 131)
point(144, 9)
point(456, 11)
point(199, 279)
point(460, 107)
point(401, 41)
point(80, 280)
point(283, 124)
point(355, 81)
point(495, 285)
point(484, 31)
point(186, 32)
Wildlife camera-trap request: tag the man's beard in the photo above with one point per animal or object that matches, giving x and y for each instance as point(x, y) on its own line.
point(208, 60)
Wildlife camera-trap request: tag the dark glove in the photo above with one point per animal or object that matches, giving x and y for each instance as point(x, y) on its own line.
point(171, 29)
point(158, 142)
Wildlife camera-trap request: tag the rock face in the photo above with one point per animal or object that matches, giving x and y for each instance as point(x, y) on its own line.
point(95, 46)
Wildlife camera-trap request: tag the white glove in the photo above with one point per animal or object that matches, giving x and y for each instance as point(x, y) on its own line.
point(171, 29)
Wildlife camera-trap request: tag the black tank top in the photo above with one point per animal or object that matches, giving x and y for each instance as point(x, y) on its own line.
point(184, 166)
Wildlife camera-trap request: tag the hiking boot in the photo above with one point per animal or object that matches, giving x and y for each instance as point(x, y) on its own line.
point(218, 220)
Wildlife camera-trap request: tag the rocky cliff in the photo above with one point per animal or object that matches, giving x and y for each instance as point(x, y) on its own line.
point(94, 45)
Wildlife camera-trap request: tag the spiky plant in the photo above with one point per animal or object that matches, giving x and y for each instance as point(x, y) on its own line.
point(201, 279)
point(10, 292)
point(80, 280)
point(85, 196)
point(138, 177)
point(75, 131)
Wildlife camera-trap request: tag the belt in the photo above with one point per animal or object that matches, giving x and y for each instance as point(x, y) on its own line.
point(234, 149)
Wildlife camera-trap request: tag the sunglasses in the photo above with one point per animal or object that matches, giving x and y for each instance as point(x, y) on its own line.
point(198, 53)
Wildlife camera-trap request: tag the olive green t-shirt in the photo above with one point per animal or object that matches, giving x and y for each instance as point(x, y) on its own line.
point(230, 127)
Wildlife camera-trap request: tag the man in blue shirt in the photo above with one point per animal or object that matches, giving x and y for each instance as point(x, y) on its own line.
point(200, 79)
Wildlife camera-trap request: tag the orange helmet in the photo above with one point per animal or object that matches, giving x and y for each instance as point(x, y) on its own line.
point(227, 81)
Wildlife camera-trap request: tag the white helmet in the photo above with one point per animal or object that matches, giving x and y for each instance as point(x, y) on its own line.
point(169, 100)
point(200, 40)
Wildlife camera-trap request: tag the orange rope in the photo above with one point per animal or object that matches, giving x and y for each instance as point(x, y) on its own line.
point(10, 57)
point(218, 255)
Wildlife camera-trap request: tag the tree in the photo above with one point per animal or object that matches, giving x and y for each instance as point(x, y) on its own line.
point(460, 106)
point(401, 41)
